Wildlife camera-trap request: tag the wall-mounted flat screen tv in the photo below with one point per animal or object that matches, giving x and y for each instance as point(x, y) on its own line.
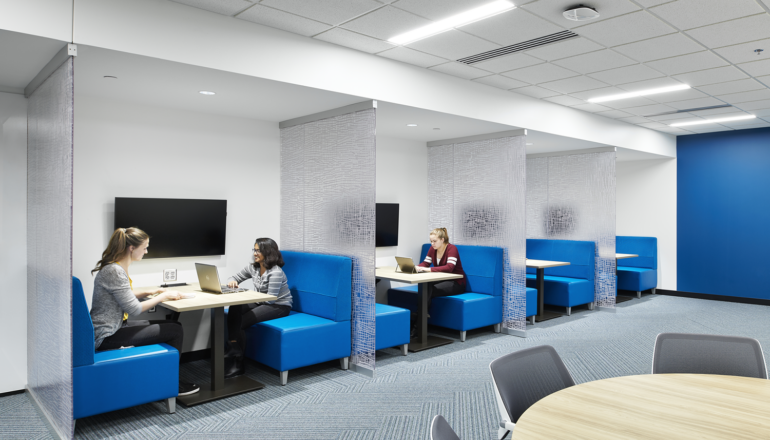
point(387, 225)
point(177, 227)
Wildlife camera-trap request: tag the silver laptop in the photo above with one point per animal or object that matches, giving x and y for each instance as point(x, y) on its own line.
point(208, 277)
point(406, 265)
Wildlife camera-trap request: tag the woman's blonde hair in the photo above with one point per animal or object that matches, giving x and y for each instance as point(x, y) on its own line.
point(441, 233)
point(119, 243)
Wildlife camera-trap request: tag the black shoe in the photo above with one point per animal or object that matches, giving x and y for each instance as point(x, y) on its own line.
point(185, 389)
point(237, 368)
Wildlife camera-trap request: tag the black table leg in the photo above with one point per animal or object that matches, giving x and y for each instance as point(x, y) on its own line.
point(423, 341)
point(542, 315)
point(219, 386)
point(619, 299)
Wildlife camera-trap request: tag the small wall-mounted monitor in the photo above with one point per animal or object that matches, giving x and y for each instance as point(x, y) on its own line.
point(177, 227)
point(387, 225)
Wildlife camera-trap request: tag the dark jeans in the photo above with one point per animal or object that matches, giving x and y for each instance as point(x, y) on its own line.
point(139, 333)
point(444, 288)
point(243, 316)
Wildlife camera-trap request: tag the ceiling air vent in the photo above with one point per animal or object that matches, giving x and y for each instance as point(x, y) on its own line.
point(696, 109)
point(518, 47)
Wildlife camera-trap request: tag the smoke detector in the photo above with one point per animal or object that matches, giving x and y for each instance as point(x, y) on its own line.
point(581, 13)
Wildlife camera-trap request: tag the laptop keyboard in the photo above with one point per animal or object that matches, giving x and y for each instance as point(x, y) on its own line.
point(226, 289)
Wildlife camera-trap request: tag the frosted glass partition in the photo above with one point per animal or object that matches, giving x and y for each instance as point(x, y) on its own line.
point(328, 204)
point(572, 197)
point(477, 190)
point(49, 242)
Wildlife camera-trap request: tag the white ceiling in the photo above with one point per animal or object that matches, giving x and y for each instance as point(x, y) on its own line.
point(633, 45)
point(23, 57)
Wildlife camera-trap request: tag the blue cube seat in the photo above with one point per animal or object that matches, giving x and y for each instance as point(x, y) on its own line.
point(565, 286)
point(531, 302)
point(318, 327)
point(392, 327)
point(640, 273)
point(99, 379)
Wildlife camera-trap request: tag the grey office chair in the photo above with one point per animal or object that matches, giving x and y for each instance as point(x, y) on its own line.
point(440, 430)
point(708, 354)
point(524, 377)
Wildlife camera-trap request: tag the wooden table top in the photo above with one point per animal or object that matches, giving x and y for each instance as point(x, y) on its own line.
point(542, 264)
point(622, 256)
point(653, 406)
point(205, 300)
point(389, 273)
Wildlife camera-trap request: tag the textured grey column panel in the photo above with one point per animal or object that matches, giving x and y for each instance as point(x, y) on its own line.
point(477, 191)
point(49, 242)
point(537, 197)
point(328, 205)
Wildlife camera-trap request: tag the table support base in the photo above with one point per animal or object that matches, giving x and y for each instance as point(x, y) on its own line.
point(233, 386)
point(433, 341)
point(620, 299)
point(546, 315)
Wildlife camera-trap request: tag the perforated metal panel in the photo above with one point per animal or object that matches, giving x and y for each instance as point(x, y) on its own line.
point(328, 205)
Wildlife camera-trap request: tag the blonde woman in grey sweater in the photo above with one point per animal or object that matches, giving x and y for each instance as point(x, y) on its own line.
point(115, 300)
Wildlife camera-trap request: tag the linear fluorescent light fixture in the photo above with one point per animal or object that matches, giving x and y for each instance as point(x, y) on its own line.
point(639, 93)
point(454, 21)
point(712, 121)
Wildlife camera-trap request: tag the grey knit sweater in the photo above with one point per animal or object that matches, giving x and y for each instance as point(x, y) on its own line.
point(112, 297)
point(273, 282)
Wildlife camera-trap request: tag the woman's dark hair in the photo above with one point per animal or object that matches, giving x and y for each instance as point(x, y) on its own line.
point(269, 250)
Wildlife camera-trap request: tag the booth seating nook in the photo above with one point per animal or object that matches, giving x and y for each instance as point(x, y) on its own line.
point(109, 380)
point(565, 286)
point(640, 273)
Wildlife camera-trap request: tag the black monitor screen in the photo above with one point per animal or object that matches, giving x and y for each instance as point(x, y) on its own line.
point(387, 224)
point(177, 227)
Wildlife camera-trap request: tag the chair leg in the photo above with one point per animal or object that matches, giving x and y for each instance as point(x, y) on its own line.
point(498, 328)
point(462, 336)
point(569, 311)
point(590, 306)
point(284, 377)
point(638, 294)
point(404, 349)
point(532, 319)
point(344, 363)
point(653, 291)
point(170, 405)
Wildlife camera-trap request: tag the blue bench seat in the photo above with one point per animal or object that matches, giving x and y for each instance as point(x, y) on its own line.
point(565, 286)
point(392, 327)
point(640, 273)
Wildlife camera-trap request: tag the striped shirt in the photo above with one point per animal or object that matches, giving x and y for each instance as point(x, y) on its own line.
point(450, 262)
point(273, 282)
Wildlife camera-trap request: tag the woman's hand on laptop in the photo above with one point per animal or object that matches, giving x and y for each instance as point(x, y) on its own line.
point(232, 284)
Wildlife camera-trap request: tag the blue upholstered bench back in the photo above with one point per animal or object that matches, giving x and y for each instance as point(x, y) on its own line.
point(483, 266)
point(82, 327)
point(580, 254)
point(645, 247)
point(320, 284)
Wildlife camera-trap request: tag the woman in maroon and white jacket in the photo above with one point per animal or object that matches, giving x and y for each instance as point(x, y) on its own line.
point(445, 258)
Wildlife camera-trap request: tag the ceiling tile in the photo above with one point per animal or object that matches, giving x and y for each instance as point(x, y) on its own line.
point(541, 73)
point(536, 92)
point(411, 56)
point(651, 3)
point(688, 63)
point(595, 61)
point(653, 125)
point(695, 103)
point(628, 74)
point(508, 62)
point(634, 120)
point(512, 27)
point(732, 32)
point(745, 125)
point(666, 46)
point(576, 84)
point(604, 91)
point(224, 7)
point(765, 113)
point(757, 68)
point(679, 95)
point(438, 9)
point(764, 79)
point(688, 14)
point(670, 118)
point(552, 10)
point(743, 85)
point(709, 128)
point(649, 84)
point(615, 114)
point(674, 130)
point(501, 82)
point(625, 29)
point(716, 111)
point(711, 76)
point(353, 40)
point(460, 70)
point(386, 22)
point(327, 11)
point(453, 45)
point(565, 100)
point(743, 53)
point(593, 108)
point(754, 105)
point(628, 103)
point(649, 109)
point(564, 49)
point(283, 20)
point(754, 95)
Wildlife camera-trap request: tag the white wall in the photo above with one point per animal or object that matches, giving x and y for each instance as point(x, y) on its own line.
point(129, 150)
point(13, 242)
point(402, 177)
point(646, 206)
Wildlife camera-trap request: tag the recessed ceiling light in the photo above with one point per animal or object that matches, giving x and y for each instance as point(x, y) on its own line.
point(110, 76)
point(713, 121)
point(580, 13)
point(639, 93)
point(205, 92)
point(411, 125)
point(455, 21)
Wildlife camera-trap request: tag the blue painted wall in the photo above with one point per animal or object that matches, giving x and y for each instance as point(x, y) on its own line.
point(723, 218)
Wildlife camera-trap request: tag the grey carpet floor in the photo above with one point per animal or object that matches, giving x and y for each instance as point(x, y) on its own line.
point(324, 402)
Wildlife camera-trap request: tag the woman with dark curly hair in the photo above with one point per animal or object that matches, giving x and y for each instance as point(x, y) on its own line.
point(268, 277)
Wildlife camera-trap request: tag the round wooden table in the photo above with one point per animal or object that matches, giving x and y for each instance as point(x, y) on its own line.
point(659, 406)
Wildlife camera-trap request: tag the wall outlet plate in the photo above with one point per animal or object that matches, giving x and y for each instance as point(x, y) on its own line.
point(169, 275)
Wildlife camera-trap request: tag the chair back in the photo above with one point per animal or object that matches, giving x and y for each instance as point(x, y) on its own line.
point(580, 254)
point(526, 376)
point(708, 354)
point(645, 247)
point(82, 327)
point(320, 284)
point(483, 267)
point(440, 430)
